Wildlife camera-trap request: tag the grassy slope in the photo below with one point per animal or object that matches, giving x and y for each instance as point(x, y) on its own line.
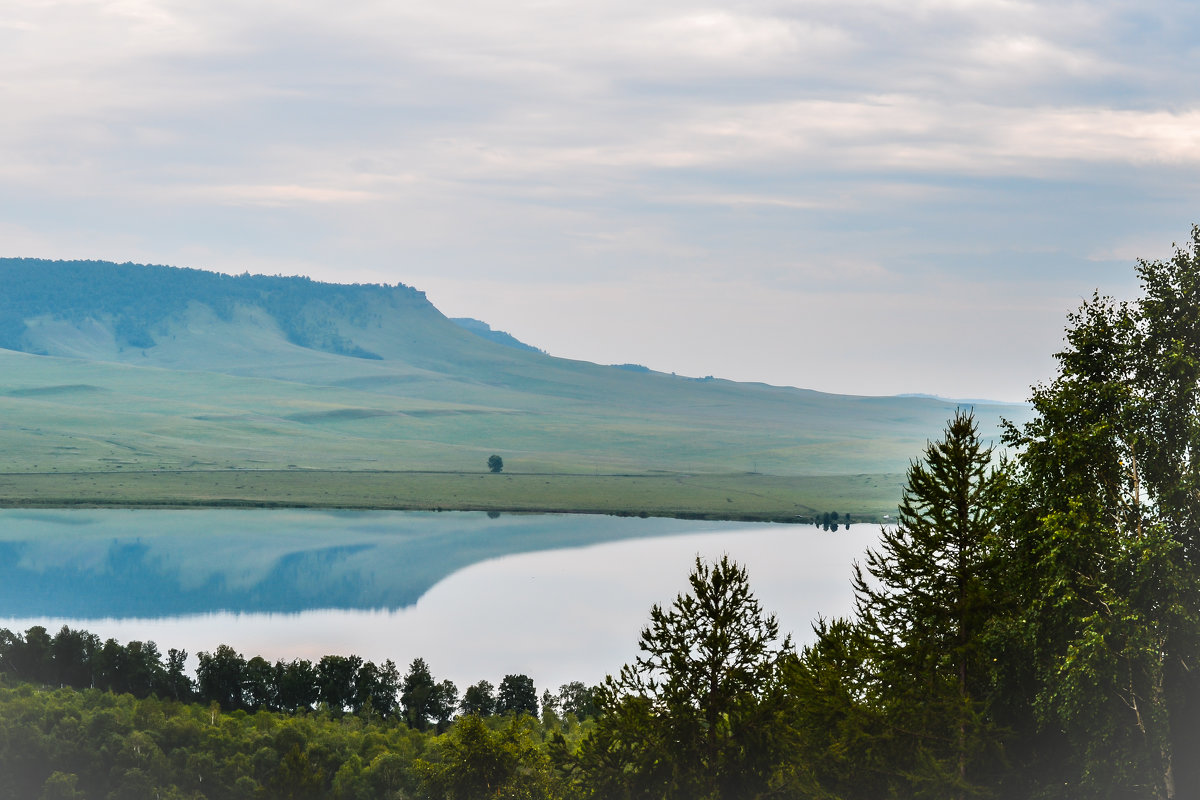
point(234, 393)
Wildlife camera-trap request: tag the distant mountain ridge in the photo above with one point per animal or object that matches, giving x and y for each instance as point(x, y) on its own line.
point(137, 300)
point(118, 366)
point(966, 401)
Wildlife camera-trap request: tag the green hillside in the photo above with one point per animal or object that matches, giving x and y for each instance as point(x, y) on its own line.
point(127, 368)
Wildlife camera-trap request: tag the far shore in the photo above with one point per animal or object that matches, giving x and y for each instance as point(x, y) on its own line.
point(748, 497)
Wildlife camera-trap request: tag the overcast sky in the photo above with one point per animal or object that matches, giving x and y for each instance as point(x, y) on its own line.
point(865, 196)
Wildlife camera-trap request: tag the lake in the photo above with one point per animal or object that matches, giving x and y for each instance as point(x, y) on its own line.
point(556, 597)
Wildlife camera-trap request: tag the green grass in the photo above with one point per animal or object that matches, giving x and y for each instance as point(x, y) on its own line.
point(730, 496)
point(414, 428)
point(68, 415)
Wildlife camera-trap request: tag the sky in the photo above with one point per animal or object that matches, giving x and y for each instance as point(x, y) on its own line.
point(858, 196)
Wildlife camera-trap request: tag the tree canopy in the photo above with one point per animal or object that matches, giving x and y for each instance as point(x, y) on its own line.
point(696, 715)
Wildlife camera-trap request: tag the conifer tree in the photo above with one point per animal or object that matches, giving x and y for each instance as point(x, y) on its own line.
point(923, 603)
point(699, 714)
point(418, 695)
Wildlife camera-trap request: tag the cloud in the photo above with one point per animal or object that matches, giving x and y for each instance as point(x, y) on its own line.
point(278, 195)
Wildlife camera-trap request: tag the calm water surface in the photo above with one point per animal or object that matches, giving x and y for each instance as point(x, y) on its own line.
point(556, 597)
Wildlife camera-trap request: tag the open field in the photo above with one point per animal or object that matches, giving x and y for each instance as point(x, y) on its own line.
point(867, 497)
point(229, 403)
point(68, 415)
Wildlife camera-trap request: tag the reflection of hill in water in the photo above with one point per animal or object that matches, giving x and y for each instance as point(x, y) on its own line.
point(95, 564)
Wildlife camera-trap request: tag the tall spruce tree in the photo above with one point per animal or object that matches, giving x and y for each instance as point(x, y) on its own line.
point(924, 601)
point(700, 713)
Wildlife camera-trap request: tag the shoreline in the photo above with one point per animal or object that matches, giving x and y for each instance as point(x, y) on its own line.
point(735, 497)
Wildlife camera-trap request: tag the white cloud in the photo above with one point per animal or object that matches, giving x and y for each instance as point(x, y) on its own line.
point(277, 195)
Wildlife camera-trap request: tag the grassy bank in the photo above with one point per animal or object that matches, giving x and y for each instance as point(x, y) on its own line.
point(748, 496)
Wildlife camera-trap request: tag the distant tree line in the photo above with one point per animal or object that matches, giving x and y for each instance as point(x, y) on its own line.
point(336, 684)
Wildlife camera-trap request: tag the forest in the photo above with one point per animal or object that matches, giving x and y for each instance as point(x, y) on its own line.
point(1029, 629)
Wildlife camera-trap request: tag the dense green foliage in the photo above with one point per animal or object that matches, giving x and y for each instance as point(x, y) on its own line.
point(94, 744)
point(135, 725)
point(910, 673)
point(1103, 542)
point(698, 715)
point(1032, 630)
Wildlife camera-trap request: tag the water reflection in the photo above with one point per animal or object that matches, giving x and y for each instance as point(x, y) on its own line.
point(400, 586)
point(104, 563)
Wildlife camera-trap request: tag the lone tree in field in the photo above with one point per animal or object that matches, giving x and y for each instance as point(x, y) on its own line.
point(495, 463)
